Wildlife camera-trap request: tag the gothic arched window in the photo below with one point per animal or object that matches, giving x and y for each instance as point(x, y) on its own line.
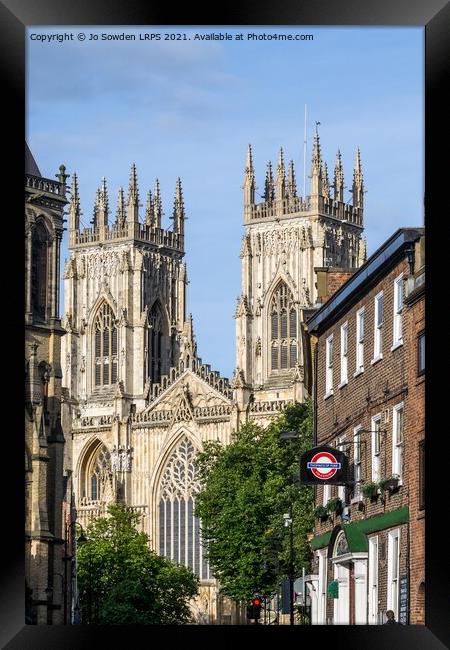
point(283, 329)
point(39, 272)
point(97, 474)
point(105, 347)
point(155, 342)
point(179, 529)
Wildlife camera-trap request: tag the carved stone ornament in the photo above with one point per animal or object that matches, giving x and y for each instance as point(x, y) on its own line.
point(238, 380)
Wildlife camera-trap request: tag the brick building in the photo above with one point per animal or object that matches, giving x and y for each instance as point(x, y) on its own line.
point(414, 333)
point(364, 342)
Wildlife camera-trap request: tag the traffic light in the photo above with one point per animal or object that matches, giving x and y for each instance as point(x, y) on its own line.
point(254, 610)
point(256, 603)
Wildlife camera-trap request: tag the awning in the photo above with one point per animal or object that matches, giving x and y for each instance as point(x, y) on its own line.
point(356, 532)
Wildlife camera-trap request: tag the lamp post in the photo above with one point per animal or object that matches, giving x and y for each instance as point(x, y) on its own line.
point(288, 522)
point(74, 583)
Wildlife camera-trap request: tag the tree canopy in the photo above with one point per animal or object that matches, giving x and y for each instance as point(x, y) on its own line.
point(247, 486)
point(122, 581)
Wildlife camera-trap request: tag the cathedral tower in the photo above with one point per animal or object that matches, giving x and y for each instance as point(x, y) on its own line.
point(45, 200)
point(140, 402)
point(286, 238)
point(125, 286)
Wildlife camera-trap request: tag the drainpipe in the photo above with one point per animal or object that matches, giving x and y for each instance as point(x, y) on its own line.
point(315, 365)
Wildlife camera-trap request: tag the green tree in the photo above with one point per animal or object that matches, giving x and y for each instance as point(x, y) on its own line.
point(121, 581)
point(246, 488)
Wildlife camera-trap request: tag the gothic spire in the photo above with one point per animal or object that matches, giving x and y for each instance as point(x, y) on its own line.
point(178, 209)
point(249, 163)
point(133, 196)
point(325, 182)
point(316, 153)
point(149, 217)
point(291, 182)
point(281, 176)
point(358, 182)
point(133, 187)
point(249, 178)
point(157, 206)
point(316, 166)
point(94, 221)
point(338, 178)
point(121, 213)
point(103, 204)
point(74, 209)
point(268, 185)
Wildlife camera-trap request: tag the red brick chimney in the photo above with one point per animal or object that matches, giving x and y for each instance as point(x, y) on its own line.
point(329, 279)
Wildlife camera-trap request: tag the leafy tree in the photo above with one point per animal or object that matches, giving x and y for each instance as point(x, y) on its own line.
point(247, 486)
point(121, 581)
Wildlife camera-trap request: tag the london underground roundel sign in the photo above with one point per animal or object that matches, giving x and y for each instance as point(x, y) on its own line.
point(324, 465)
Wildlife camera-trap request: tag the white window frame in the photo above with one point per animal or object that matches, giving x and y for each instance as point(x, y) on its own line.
point(393, 575)
point(357, 463)
point(326, 495)
point(360, 318)
point(376, 447)
point(398, 445)
point(397, 334)
point(340, 443)
point(373, 581)
point(322, 586)
point(344, 355)
point(378, 328)
point(329, 366)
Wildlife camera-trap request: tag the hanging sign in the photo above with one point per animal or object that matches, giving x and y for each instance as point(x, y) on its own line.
point(324, 464)
point(403, 601)
point(333, 589)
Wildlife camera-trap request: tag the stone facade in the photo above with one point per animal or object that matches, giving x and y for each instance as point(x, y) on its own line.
point(44, 440)
point(140, 401)
point(363, 406)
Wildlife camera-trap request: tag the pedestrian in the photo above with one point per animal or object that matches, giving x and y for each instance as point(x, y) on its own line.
point(391, 618)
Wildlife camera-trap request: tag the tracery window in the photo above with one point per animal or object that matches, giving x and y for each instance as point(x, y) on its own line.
point(283, 329)
point(39, 271)
point(98, 474)
point(179, 529)
point(105, 347)
point(155, 342)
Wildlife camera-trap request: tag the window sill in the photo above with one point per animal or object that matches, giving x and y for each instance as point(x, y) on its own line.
point(376, 359)
point(358, 372)
point(343, 383)
point(329, 394)
point(397, 345)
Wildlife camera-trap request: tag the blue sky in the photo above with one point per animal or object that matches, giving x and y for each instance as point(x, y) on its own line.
point(189, 108)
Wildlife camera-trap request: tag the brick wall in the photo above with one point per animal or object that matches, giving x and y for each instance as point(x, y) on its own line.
point(329, 280)
point(384, 384)
point(415, 426)
point(375, 391)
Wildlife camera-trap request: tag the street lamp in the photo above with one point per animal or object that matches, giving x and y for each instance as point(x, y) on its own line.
point(80, 540)
point(288, 523)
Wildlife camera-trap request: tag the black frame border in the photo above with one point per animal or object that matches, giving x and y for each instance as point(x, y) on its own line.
point(15, 15)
